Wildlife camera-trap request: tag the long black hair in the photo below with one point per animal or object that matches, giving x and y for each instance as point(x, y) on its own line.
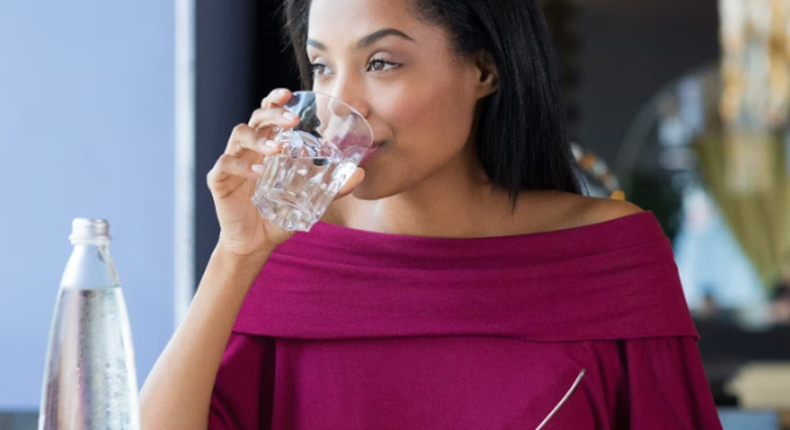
point(521, 139)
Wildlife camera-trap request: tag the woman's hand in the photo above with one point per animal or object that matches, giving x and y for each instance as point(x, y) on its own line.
point(243, 231)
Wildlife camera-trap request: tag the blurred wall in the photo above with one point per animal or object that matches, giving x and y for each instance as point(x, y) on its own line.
point(86, 130)
point(630, 50)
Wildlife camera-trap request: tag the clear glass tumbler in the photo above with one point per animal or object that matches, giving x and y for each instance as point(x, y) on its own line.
point(318, 157)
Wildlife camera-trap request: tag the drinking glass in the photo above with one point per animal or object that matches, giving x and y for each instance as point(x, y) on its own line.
point(318, 156)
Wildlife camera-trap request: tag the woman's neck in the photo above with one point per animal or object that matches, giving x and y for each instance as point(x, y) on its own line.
point(456, 201)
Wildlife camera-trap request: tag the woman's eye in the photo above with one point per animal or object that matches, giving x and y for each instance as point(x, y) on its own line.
point(380, 66)
point(317, 69)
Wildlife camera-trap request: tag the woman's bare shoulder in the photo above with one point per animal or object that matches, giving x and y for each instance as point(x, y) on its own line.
point(566, 210)
point(598, 210)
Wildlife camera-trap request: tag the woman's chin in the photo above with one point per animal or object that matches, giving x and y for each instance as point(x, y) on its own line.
point(372, 189)
point(364, 192)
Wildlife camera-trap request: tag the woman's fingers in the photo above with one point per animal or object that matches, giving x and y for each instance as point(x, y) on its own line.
point(351, 183)
point(228, 165)
point(276, 98)
point(249, 144)
point(267, 117)
point(244, 137)
point(236, 160)
point(271, 112)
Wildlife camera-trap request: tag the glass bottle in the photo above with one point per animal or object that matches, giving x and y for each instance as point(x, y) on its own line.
point(90, 381)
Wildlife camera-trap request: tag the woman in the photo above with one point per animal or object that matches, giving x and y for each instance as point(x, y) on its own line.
point(461, 282)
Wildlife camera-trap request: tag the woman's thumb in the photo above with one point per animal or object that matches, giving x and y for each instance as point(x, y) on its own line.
point(351, 183)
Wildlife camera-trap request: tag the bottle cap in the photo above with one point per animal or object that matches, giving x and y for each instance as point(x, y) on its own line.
point(86, 230)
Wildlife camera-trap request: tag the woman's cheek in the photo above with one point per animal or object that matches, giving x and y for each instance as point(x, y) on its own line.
point(424, 108)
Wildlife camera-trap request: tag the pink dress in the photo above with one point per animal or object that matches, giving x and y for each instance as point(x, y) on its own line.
point(349, 330)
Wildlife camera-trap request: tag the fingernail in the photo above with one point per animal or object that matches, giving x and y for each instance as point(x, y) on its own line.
point(265, 143)
point(289, 116)
point(281, 92)
point(257, 168)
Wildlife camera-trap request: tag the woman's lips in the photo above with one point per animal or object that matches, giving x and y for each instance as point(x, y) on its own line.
point(371, 152)
point(350, 141)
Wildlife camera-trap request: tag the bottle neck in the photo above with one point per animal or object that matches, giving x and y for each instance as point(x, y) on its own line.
point(90, 267)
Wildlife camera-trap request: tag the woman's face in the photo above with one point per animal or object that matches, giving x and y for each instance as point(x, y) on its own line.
point(401, 74)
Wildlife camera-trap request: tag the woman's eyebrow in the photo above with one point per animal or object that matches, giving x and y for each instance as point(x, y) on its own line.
point(367, 40)
point(317, 45)
point(380, 34)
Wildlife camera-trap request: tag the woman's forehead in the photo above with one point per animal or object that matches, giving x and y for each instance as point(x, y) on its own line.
point(350, 20)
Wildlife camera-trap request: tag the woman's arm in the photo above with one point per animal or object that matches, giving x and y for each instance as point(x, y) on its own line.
point(177, 393)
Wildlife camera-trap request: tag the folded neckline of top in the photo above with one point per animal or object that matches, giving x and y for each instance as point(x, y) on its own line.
point(595, 228)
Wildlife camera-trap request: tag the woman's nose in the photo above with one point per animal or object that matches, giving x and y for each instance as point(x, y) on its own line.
point(350, 95)
point(339, 108)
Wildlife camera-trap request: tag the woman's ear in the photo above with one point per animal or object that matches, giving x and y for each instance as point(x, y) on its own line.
point(489, 76)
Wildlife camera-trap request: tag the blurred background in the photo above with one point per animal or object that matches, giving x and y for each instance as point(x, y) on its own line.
point(118, 110)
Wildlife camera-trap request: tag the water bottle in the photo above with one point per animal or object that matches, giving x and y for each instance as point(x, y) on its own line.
point(90, 381)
